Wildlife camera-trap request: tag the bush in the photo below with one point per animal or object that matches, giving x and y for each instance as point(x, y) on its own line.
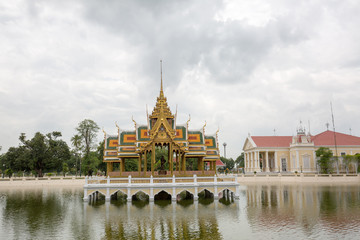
point(8, 172)
point(49, 174)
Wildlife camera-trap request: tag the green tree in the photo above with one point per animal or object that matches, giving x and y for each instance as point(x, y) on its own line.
point(44, 152)
point(325, 159)
point(65, 168)
point(240, 160)
point(8, 172)
point(100, 153)
point(357, 162)
point(76, 152)
point(85, 142)
point(15, 159)
point(229, 163)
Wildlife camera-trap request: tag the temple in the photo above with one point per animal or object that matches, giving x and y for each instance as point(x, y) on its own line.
point(161, 147)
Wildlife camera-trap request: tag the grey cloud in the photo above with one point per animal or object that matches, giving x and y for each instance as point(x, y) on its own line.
point(186, 34)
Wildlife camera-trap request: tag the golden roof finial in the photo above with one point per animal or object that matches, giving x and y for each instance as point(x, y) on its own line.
point(132, 118)
point(204, 125)
point(187, 123)
point(104, 132)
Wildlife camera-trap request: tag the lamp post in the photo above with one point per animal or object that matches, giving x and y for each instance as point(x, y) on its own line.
point(224, 144)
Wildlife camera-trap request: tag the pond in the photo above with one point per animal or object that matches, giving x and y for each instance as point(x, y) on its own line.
point(262, 212)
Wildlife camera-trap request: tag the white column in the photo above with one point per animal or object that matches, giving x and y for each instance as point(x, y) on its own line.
point(257, 161)
point(267, 161)
point(250, 161)
point(315, 162)
point(276, 161)
point(245, 162)
point(297, 160)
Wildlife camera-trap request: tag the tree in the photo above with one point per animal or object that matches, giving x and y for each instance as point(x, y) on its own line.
point(229, 162)
point(84, 141)
point(240, 160)
point(44, 152)
point(76, 143)
point(87, 130)
point(357, 162)
point(100, 154)
point(65, 168)
point(325, 159)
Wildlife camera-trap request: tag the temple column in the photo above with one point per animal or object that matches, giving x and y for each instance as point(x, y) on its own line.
point(139, 164)
point(171, 154)
point(109, 168)
point(177, 160)
point(122, 165)
point(184, 163)
point(145, 163)
point(152, 159)
point(267, 162)
point(202, 165)
point(199, 164)
point(276, 162)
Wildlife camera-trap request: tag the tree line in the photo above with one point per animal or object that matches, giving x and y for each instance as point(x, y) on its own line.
point(48, 153)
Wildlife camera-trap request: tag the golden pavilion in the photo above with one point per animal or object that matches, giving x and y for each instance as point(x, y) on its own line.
point(180, 144)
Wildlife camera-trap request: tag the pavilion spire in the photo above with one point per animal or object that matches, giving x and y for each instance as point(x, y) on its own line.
point(161, 87)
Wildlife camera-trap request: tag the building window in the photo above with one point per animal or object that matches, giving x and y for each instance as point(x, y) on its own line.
point(343, 154)
point(306, 162)
point(283, 164)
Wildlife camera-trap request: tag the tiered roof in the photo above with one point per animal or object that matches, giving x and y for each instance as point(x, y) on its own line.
point(162, 128)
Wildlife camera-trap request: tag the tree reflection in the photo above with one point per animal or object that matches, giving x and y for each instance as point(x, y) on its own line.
point(41, 212)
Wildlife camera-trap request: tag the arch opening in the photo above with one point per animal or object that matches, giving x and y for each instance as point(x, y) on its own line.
point(185, 198)
point(226, 196)
point(163, 198)
point(206, 197)
point(96, 198)
point(140, 196)
point(118, 196)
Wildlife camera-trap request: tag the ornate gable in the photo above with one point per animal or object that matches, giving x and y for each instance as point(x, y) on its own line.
point(248, 144)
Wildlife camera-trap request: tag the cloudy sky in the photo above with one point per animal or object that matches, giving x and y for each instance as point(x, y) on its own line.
point(248, 66)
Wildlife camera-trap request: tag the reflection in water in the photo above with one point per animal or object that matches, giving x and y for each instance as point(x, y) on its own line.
point(310, 211)
point(169, 221)
point(263, 211)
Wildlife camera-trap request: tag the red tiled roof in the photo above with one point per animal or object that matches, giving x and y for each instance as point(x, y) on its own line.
point(219, 163)
point(322, 139)
point(327, 139)
point(272, 141)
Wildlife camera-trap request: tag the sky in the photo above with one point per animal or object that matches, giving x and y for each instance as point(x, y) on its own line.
point(254, 67)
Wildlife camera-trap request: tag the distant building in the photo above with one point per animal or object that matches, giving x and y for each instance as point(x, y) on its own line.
point(295, 153)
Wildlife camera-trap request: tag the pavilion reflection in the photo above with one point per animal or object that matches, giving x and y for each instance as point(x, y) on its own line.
point(163, 222)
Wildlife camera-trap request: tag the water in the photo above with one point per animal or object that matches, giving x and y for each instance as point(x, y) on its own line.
point(263, 212)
